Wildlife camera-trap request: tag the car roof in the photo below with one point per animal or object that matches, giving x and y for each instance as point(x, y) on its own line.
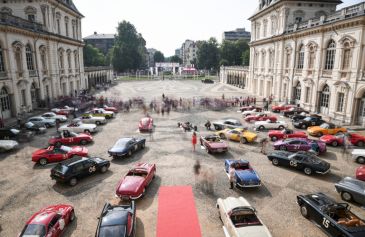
point(115, 216)
point(74, 160)
point(237, 161)
point(321, 199)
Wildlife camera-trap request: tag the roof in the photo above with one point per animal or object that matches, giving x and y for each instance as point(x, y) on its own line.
point(73, 160)
point(69, 4)
point(100, 36)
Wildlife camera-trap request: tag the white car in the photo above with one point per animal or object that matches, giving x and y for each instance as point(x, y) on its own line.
point(79, 127)
point(89, 119)
point(268, 124)
point(358, 155)
point(51, 115)
point(252, 112)
point(239, 218)
point(7, 145)
point(99, 112)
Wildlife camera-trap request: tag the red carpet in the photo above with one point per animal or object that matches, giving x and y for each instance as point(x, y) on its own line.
point(176, 213)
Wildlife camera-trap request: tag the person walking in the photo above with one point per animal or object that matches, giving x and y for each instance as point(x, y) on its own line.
point(345, 146)
point(57, 124)
point(232, 177)
point(194, 140)
point(264, 143)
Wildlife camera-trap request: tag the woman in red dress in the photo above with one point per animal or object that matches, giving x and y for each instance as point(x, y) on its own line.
point(194, 140)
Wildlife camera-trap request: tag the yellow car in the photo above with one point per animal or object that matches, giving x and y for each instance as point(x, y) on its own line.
point(237, 134)
point(325, 129)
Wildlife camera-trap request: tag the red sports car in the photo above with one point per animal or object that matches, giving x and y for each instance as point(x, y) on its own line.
point(285, 133)
point(282, 107)
point(251, 107)
point(213, 143)
point(110, 108)
point(360, 173)
point(261, 117)
point(146, 124)
point(336, 140)
point(133, 185)
point(49, 222)
point(70, 138)
point(61, 112)
point(56, 154)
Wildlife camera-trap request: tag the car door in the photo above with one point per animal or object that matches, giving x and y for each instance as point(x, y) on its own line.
point(55, 226)
point(234, 135)
point(294, 145)
point(134, 145)
point(296, 162)
point(58, 154)
point(89, 168)
point(130, 224)
point(305, 146)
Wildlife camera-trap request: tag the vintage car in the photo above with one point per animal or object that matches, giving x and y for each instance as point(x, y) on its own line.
point(71, 170)
point(110, 108)
point(146, 125)
point(52, 115)
point(185, 126)
point(79, 127)
point(59, 111)
point(334, 218)
point(281, 107)
point(250, 107)
point(325, 129)
point(268, 125)
point(360, 173)
point(239, 218)
point(98, 112)
point(133, 185)
point(35, 128)
point(304, 161)
point(227, 123)
point(358, 155)
point(43, 122)
point(57, 154)
point(213, 144)
point(336, 140)
point(117, 221)
point(126, 146)
point(312, 120)
point(293, 111)
point(299, 144)
point(298, 117)
point(252, 112)
point(15, 134)
point(245, 175)
point(70, 138)
point(261, 117)
point(207, 80)
point(275, 135)
point(238, 134)
point(49, 222)
point(351, 190)
point(8, 145)
point(90, 119)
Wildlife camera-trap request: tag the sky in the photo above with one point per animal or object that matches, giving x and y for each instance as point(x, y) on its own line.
point(166, 24)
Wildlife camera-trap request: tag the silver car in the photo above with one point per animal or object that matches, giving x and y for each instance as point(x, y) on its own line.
point(351, 190)
point(227, 123)
point(40, 121)
point(51, 115)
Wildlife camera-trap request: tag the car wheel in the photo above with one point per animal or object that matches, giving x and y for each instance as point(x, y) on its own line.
point(73, 182)
point(243, 140)
point(346, 196)
point(83, 142)
point(281, 127)
point(261, 128)
point(98, 123)
point(143, 145)
point(283, 148)
point(304, 126)
point(58, 144)
point(308, 171)
point(87, 131)
point(360, 144)
point(334, 143)
point(104, 169)
point(130, 153)
point(274, 138)
point(72, 216)
point(222, 136)
point(360, 160)
point(275, 162)
point(43, 161)
point(304, 211)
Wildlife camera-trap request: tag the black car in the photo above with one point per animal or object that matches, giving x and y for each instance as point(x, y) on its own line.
point(71, 170)
point(35, 128)
point(117, 221)
point(351, 190)
point(298, 117)
point(309, 121)
point(306, 161)
point(206, 80)
point(15, 134)
point(334, 218)
point(127, 146)
point(294, 111)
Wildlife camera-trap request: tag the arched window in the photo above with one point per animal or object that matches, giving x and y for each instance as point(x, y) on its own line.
point(330, 55)
point(58, 23)
point(29, 57)
point(61, 59)
point(301, 57)
point(265, 28)
point(31, 13)
point(43, 52)
point(69, 59)
point(273, 25)
point(297, 92)
point(2, 63)
point(74, 29)
point(298, 16)
point(340, 101)
point(325, 95)
point(6, 10)
point(346, 56)
point(4, 100)
point(66, 25)
point(312, 56)
point(18, 58)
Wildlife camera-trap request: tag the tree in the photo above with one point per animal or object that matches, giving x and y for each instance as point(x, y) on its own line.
point(246, 58)
point(208, 54)
point(158, 57)
point(232, 51)
point(93, 56)
point(175, 59)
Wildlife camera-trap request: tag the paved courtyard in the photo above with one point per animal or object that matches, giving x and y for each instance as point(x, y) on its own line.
point(26, 188)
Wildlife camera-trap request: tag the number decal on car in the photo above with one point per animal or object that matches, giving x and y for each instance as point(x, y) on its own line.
point(326, 223)
point(296, 147)
point(293, 163)
point(92, 169)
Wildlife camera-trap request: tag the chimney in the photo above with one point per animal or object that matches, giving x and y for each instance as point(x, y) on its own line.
point(95, 33)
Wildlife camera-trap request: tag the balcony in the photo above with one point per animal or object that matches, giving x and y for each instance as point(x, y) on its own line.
point(327, 73)
point(3, 75)
point(298, 72)
point(32, 73)
point(9, 20)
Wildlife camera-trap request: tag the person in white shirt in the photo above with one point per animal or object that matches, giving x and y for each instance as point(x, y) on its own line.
point(231, 173)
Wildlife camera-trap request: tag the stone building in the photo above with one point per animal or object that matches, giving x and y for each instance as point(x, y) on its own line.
point(188, 52)
point(308, 53)
point(104, 42)
point(40, 53)
point(237, 34)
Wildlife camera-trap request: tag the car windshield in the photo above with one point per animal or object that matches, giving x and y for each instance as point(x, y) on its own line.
point(34, 230)
point(213, 139)
point(121, 143)
point(325, 125)
point(115, 230)
point(308, 119)
point(244, 217)
point(60, 168)
point(241, 166)
point(137, 172)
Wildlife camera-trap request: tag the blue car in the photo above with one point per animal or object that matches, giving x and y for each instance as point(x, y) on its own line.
point(126, 146)
point(246, 176)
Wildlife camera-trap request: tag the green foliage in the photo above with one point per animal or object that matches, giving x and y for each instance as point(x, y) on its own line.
point(93, 56)
point(174, 59)
point(232, 52)
point(158, 57)
point(246, 58)
point(208, 54)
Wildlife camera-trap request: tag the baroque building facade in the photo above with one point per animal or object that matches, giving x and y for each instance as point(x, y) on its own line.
point(41, 57)
point(310, 54)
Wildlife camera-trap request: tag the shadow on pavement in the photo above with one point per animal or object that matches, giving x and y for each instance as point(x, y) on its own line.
point(69, 229)
point(134, 158)
point(151, 192)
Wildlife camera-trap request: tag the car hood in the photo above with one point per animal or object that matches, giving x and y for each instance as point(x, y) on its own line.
point(326, 138)
point(79, 149)
point(98, 118)
point(352, 183)
point(247, 175)
point(249, 134)
point(8, 144)
point(218, 145)
point(130, 184)
point(39, 152)
point(358, 152)
point(315, 129)
point(90, 126)
point(84, 135)
point(49, 120)
point(253, 231)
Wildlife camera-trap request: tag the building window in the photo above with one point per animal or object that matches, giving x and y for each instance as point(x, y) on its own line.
point(4, 99)
point(287, 61)
point(2, 63)
point(297, 92)
point(330, 55)
point(6, 10)
point(73, 29)
point(312, 57)
point(271, 58)
point(301, 57)
point(307, 94)
point(273, 25)
point(265, 28)
point(69, 59)
point(43, 58)
point(258, 31)
point(58, 26)
point(31, 18)
point(23, 99)
point(30, 12)
point(61, 59)
point(263, 59)
point(66, 25)
point(298, 16)
point(325, 94)
point(76, 56)
point(346, 56)
point(29, 58)
point(340, 101)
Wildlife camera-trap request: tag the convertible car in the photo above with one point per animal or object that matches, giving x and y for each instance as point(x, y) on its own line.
point(245, 175)
point(117, 221)
point(293, 111)
point(251, 112)
point(351, 190)
point(127, 146)
point(334, 218)
point(285, 133)
point(239, 218)
point(90, 119)
point(281, 107)
point(299, 144)
point(70, 138)
point(227, 123)
point(50, 221)
point(213, 144)
point(250, 107)
point(79, 126)
point(145, 124)
point(312, 120)
point(110, 108)
point(261, 117)
point(98, 112)
point(305, 161)
point(336, 140)
point(262, 125)
point(239, 135)
point(52, 115)
point(360, 173)
point(133, 185)
point(56, 154)
point(325, 129)
point(8, 145)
